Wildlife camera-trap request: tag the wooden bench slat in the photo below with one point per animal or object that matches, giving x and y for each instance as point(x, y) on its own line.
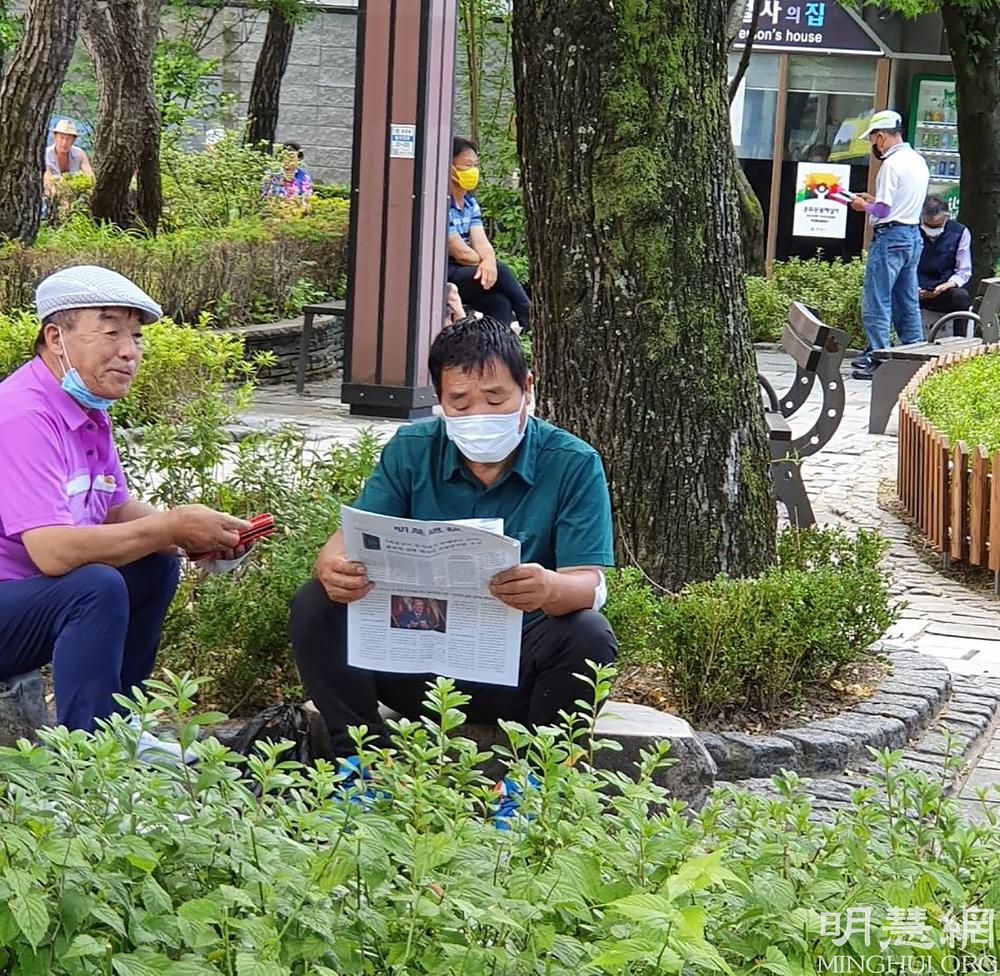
point(806, 325)
point(804, 353)
point(926, 350)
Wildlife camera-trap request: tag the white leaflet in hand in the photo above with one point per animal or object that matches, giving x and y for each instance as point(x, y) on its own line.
point(222, 565)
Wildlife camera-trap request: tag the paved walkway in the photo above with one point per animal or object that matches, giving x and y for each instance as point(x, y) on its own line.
point(943, 617)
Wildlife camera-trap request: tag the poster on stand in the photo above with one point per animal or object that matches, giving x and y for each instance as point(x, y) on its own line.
point(821, 200)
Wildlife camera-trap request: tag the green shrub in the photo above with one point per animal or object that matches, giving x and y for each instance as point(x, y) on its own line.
point(753, 644)
point(332, 191)
point(262, 867)
point(961, 401)
point(634, 612)
point(503, 216)
point(233, 627)
point(212, 189)
point(71, 196)
point(832, 288)
point(184, 368)
point(251, 270)
point(18, 332)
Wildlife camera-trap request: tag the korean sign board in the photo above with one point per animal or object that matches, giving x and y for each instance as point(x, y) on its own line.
point(820, 202)
point(805, 25)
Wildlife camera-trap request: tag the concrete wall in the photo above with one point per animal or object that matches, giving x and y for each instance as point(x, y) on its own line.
point(317, 95)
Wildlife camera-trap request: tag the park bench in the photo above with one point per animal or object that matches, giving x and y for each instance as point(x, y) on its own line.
point(310, 312)
point(818, 351)
point(899, 364)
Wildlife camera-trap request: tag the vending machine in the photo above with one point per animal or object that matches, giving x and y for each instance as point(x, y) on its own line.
point(934, 133)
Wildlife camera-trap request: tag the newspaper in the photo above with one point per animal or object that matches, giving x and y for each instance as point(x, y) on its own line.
point(431, 610)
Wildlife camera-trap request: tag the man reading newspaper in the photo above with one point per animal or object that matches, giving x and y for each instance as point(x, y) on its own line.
point(486, 458)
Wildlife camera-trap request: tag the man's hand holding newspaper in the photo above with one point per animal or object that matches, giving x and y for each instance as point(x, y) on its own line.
point(343, 579)
point(527, 587)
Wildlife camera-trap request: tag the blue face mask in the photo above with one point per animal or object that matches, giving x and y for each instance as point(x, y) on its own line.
point(79, 391)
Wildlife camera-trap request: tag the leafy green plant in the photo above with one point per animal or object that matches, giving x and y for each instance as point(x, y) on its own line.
point(832, 288)
point(215, 187)
point(250, 270)
point(234, 627)
point(751, 645)
point(260, 866)
point(961, 401)
point(503, 215)
point(184, 372)
point(18, 332)
point(633, 609)
point(332, 191)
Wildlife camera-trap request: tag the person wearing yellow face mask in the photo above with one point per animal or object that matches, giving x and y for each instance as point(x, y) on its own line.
point(484, 284)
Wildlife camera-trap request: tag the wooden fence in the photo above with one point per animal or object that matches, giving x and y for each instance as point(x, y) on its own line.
point(952, 492)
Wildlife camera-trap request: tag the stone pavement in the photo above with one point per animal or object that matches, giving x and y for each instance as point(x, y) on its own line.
point(943, 617)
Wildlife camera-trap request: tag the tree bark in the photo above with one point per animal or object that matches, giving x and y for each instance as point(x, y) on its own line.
point(121, 38)
point(974, 41)
point(30, 84)
point(641, 327)
point(265, 90)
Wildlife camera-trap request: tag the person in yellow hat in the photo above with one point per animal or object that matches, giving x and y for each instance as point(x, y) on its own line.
point(891, 295)
point(63, 156)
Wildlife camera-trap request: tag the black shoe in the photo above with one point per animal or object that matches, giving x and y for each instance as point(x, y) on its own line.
point(864, 361)
point(863, 374)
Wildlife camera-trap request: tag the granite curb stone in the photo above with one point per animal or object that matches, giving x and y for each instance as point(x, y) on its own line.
point(926, 756)
point(903, 705)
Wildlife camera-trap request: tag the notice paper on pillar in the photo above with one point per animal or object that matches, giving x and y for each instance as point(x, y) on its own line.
point(822, 200)
point(402, 141)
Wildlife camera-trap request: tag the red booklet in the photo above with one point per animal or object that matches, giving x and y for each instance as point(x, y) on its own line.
point(260, 526)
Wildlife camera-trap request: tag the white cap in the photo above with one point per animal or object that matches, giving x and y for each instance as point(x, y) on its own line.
point(887, 119)
point(66, 127)
point(90, 286)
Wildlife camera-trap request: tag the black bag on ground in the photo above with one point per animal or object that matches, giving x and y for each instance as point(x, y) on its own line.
point(276, 723)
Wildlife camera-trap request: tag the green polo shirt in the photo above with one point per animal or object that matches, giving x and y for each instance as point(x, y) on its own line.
point(554, 499)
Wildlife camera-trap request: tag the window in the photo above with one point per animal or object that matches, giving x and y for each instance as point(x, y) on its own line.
point(752, 113)
point(829, 99)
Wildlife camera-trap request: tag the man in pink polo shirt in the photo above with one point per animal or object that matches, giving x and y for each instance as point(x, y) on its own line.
point(86, 571)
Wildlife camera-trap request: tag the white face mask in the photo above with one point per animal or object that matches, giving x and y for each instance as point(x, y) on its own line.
point(932, 232)
point(486, 438)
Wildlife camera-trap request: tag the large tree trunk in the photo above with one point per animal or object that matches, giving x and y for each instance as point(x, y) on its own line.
point(121, 38)
point(31, 80)
point(974, 40)
point(265, 91)
point(642, 333)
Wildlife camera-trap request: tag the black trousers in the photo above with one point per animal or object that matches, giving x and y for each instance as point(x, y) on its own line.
point(553, 649)
point(505, 301)
point(952, 300)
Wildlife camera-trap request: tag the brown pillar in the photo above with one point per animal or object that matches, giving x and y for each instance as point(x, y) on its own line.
point(402, 152)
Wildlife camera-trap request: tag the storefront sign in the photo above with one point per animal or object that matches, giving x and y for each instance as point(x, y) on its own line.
point(805, 25)
point(820, 205)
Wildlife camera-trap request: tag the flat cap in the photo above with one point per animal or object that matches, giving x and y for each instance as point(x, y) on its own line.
point(90, 286)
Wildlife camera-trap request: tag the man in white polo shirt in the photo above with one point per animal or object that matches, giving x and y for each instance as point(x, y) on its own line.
point(891, 292)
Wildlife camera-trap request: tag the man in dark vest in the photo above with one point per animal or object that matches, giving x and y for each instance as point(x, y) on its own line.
point(946, 262)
